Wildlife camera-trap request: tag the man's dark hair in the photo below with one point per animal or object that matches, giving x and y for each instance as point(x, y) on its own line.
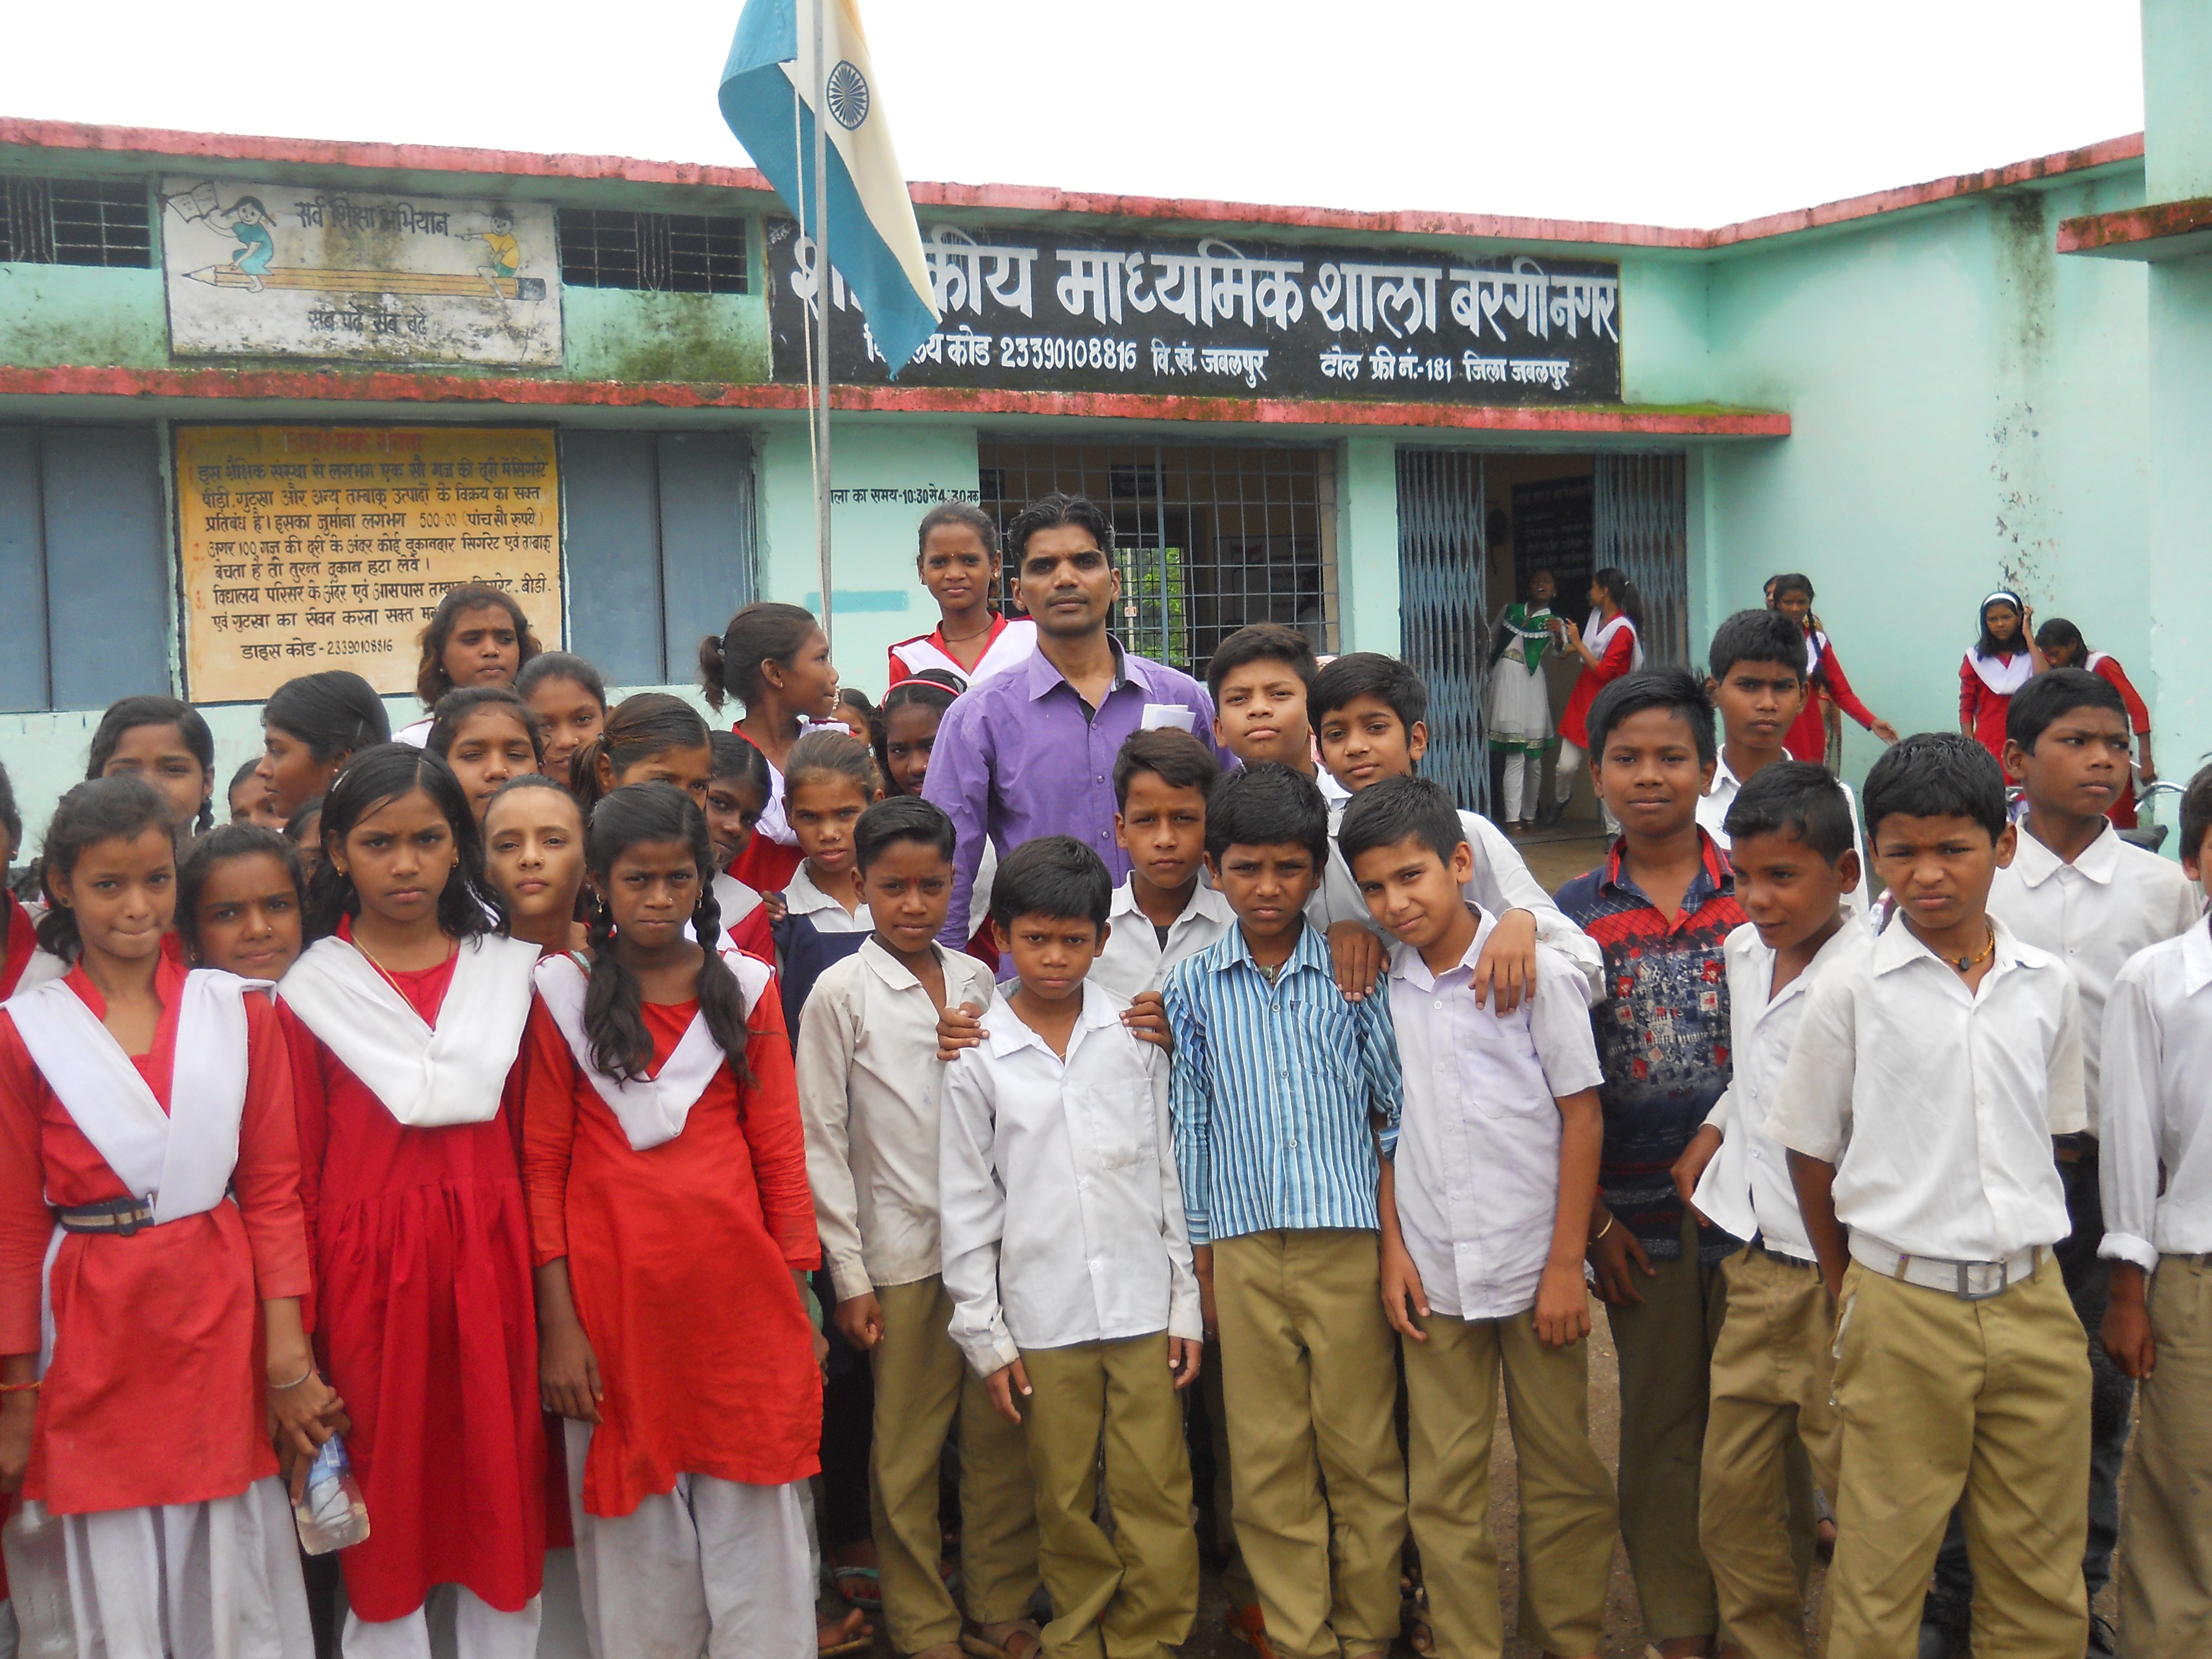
point(1264, 641)
point(1176, 758)
point(903, 818)
point(1677, 688)
point(1757, 636)
point(1935, 774)
point(1050, 513)
point(2036, 707)
point(2195, 813)
point(1368, 674)
point(1267, 805)
point(1795, 798)
point(1054, 875)
point(1401, 809)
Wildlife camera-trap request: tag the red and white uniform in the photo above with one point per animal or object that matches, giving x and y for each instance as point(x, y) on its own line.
point(1010, 640)
point(408, 1094)
point(681, 1203)
point(151, 1437)
point(28, 965)
point(2107, 667)
point(1986, 685)
point(744, 918)
point(1619, 651)
point(1825, 683)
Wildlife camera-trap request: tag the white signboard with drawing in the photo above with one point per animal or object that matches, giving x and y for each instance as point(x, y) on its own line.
point(282, 271)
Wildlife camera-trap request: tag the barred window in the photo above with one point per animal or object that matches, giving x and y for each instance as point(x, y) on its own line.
point(660, 253)
point(75, 222)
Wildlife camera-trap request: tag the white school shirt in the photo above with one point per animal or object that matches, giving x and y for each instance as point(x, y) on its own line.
point(1134, 960)
point(1713, 818)
point(2158, 1064)
point(1937, 1105)
point(868, 1085)
point(1063, 1218)
point(801, 897)
point(1501, 882)
point(1478, 1155)
point(2093, 914)
point(1747, 1189)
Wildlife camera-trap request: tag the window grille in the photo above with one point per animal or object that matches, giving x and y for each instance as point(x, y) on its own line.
point(75, 222)
point(659, 252)
point(1208, 537)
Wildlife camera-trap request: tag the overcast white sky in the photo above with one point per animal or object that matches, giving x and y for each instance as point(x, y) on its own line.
point(1671, 111)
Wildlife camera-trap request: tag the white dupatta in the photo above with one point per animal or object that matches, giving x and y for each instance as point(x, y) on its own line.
point(653, 1110)
point(2002, 675)
point(1599, 634)
point(182, 1158)
point(428, 1077)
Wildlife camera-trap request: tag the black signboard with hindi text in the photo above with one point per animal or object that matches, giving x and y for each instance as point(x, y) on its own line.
point(1222, 316)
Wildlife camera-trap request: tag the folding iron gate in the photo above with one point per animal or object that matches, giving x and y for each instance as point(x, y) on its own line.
point(1642, 529)
point(1443, 611)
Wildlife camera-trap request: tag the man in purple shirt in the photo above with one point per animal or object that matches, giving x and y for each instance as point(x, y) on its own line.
point(1030, 752)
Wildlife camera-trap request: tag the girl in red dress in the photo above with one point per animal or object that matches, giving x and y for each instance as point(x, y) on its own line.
point(1807, 737)
point(674, 1228)
point(2063, 647)
point(1995, 666)
point(775, 659)
point(958, 563)
point(1611, 644)
point(150, 1200)
point(407, 1015)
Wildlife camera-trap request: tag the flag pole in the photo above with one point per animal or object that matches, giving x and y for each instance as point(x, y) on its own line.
point(822, 279)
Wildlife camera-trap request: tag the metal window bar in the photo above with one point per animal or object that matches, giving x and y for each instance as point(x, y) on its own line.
point(654, 252)
point(75, 222)
point(1444, 612)
point(1643, 528)
point(1208, 538)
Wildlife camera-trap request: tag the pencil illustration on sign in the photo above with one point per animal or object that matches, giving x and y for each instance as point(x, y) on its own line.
point(271, 270)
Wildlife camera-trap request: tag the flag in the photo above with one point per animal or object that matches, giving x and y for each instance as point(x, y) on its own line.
point(874, 242)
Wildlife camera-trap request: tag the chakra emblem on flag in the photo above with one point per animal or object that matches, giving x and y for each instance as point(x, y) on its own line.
point(848, 95)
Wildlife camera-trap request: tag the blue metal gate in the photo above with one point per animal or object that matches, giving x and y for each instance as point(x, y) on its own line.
point(1443, 611)
point(1643, 528)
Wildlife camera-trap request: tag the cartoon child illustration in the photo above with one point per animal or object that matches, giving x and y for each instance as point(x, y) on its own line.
point(504, 251)
point(248, 220)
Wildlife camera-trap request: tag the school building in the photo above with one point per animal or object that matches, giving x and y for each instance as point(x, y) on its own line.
point(263, 399)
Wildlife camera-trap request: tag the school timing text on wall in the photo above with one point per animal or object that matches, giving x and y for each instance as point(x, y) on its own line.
point(308, 548)
point(279, 270)
point(1216, 316)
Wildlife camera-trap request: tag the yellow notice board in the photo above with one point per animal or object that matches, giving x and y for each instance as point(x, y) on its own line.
point(308, 548)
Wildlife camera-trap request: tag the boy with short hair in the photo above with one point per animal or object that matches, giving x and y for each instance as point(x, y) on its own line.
point(1660, 908)
point(1933, 1064)
point(2156, 1180)
point(1067, 1261)
point(1258, 677)
point(1369, 712)
point(1484, 1202)
point(1795, 868)
point(868, 1087)
point(1279, 1081)
point(1755, 675)
point(2075, 889)
point(1162, 911)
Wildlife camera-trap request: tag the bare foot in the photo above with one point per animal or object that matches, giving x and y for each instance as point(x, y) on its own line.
point(832, 1634)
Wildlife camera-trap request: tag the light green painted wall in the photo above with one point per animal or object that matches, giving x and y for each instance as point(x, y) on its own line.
point(1967, 412)
point(614, 334)
point(1663, 353)
point(58, 316)
point(1367, 545)
point(2177, 47)
point(878, 600)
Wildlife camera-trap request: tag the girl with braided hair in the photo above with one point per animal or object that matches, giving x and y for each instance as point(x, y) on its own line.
point(672, 1227)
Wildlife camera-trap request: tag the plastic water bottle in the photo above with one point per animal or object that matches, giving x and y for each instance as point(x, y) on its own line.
point(331, 1514)
point(38, 1582)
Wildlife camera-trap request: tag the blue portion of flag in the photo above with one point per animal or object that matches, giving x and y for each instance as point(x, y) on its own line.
point(757, 100)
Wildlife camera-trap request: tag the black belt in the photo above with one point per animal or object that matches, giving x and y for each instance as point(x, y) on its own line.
point(120, 1216)
point(1786, 1260)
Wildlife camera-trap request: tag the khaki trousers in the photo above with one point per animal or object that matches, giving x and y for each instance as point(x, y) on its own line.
point(1312, 1386)
point(921, 1381)
point(2165, 1535)
point(1772, 1376)
point(1567, 1513)
point(1940, 1399)
point(1665, 1344)
point(1134, 1595)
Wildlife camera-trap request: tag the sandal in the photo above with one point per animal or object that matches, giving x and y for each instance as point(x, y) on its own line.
point(1014, 1639)
point(860, 1587)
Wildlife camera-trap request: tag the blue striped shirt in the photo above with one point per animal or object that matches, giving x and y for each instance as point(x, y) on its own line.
point(1273, 1090)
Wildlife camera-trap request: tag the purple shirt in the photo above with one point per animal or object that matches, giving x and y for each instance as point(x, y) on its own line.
point(1020, 754)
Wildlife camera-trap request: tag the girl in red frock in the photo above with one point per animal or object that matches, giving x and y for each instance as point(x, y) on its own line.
point(667, 1176)
point(2063, 647)
point(1996, 664)
point(149, 1201)
point(1792, 594)
point(407, 1017)
point(773, 658)
point(1610, 646)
